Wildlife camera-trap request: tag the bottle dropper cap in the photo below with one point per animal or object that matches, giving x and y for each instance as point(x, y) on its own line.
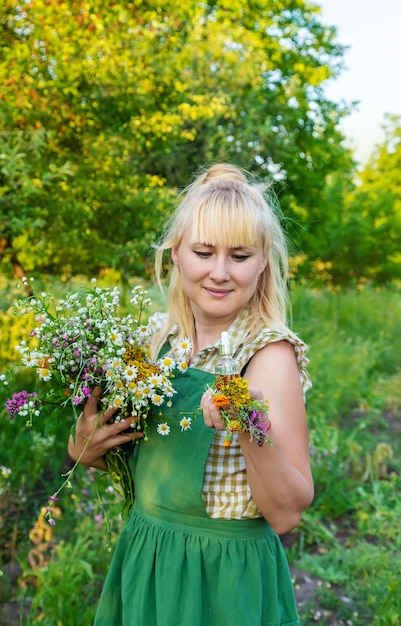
point(225, 347)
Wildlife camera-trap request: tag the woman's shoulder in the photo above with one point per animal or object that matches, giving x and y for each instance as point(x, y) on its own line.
point(247, 349)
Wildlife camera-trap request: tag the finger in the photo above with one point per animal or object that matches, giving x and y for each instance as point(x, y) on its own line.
point(205, 405)
point(211, 415)
point(127, 423)
point(120, 440)
point(92, 403)
point(205, 399)
point(108, 414)
point(121, 432)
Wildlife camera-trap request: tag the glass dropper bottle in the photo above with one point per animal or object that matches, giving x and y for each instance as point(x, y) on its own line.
point(226, 366)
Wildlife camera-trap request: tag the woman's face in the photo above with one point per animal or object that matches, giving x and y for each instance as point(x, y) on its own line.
point(218, 281)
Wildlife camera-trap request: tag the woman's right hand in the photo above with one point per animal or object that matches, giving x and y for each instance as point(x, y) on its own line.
point(94, 436)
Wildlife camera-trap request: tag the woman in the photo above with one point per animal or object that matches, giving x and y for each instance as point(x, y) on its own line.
point(201, 547)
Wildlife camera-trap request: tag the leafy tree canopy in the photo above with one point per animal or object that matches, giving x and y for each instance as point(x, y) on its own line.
point(362, 222)
point(108, 107)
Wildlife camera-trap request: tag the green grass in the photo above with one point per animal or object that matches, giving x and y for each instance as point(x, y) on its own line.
point(349, 538)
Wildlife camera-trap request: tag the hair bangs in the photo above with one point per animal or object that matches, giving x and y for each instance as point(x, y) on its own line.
point(228, 222)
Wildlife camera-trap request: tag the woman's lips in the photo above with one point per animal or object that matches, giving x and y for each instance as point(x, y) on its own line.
point(217, 293)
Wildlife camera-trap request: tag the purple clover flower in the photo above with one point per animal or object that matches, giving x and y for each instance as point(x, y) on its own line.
point(17, 401)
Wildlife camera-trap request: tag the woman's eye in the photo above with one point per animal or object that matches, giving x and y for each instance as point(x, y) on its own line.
point(202, 254)
point(240, 257)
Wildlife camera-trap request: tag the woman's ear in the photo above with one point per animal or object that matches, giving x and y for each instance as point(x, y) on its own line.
point(174, 255)
point(263, 266)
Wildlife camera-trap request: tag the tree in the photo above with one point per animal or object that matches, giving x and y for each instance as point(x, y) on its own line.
point(133, 97)
point(363, 220)
point(378, 199)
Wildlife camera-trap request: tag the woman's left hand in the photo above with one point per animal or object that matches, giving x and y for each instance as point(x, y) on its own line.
point(211, 413)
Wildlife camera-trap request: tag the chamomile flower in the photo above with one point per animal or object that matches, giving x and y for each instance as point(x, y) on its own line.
point(118, 401)
point(130, 373)
point(30, 360)
point(109, 373)
point(44, 373)
point(155, 380)
point(185, 423)
point(147, 390)
point(157, 399)
point(142, 332)
point(163, 429)
point(182, 366)
point(184, 347)
point(167, 364)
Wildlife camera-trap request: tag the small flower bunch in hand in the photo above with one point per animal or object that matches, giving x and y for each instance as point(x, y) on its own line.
point(240, 413)
point(81, 343)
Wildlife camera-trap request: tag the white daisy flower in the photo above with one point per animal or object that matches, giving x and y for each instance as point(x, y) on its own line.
point(185, 346)
point(163, 429)
point(155, 380)
point(185, 423)
point(118, 402)
point(44, 373)
point(116, 338)
point(157, 399)
point(130, 373)
point(167, 363)
point(182, 366)
point(147, 390)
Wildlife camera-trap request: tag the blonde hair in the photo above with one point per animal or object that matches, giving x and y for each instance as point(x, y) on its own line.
point(221, 207)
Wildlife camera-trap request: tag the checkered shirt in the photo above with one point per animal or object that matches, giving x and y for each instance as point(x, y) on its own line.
point(226, 492)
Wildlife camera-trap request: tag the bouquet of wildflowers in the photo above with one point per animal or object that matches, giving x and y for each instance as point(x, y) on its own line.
point(80, 343)
point(240, 413)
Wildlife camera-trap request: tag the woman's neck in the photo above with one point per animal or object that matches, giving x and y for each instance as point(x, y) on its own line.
point(207, 335)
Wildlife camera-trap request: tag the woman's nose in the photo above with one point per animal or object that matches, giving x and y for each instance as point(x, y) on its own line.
point(219, 271)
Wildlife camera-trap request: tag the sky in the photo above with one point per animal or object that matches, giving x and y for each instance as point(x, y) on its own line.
point(372, 30)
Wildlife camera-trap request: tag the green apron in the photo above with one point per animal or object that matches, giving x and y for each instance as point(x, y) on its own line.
point(173, 564)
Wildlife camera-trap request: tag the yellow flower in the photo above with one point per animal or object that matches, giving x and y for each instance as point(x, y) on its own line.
point(234, 425)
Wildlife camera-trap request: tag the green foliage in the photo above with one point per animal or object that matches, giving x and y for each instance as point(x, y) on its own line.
point(77, 568)
point(349, 536)
point(351, 348)
point(357, 235)
point(108, 108)
point(124, 100)
point(348, 539)
point(369, 573)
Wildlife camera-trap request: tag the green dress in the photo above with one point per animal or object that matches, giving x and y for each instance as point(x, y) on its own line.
point(173, 564)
